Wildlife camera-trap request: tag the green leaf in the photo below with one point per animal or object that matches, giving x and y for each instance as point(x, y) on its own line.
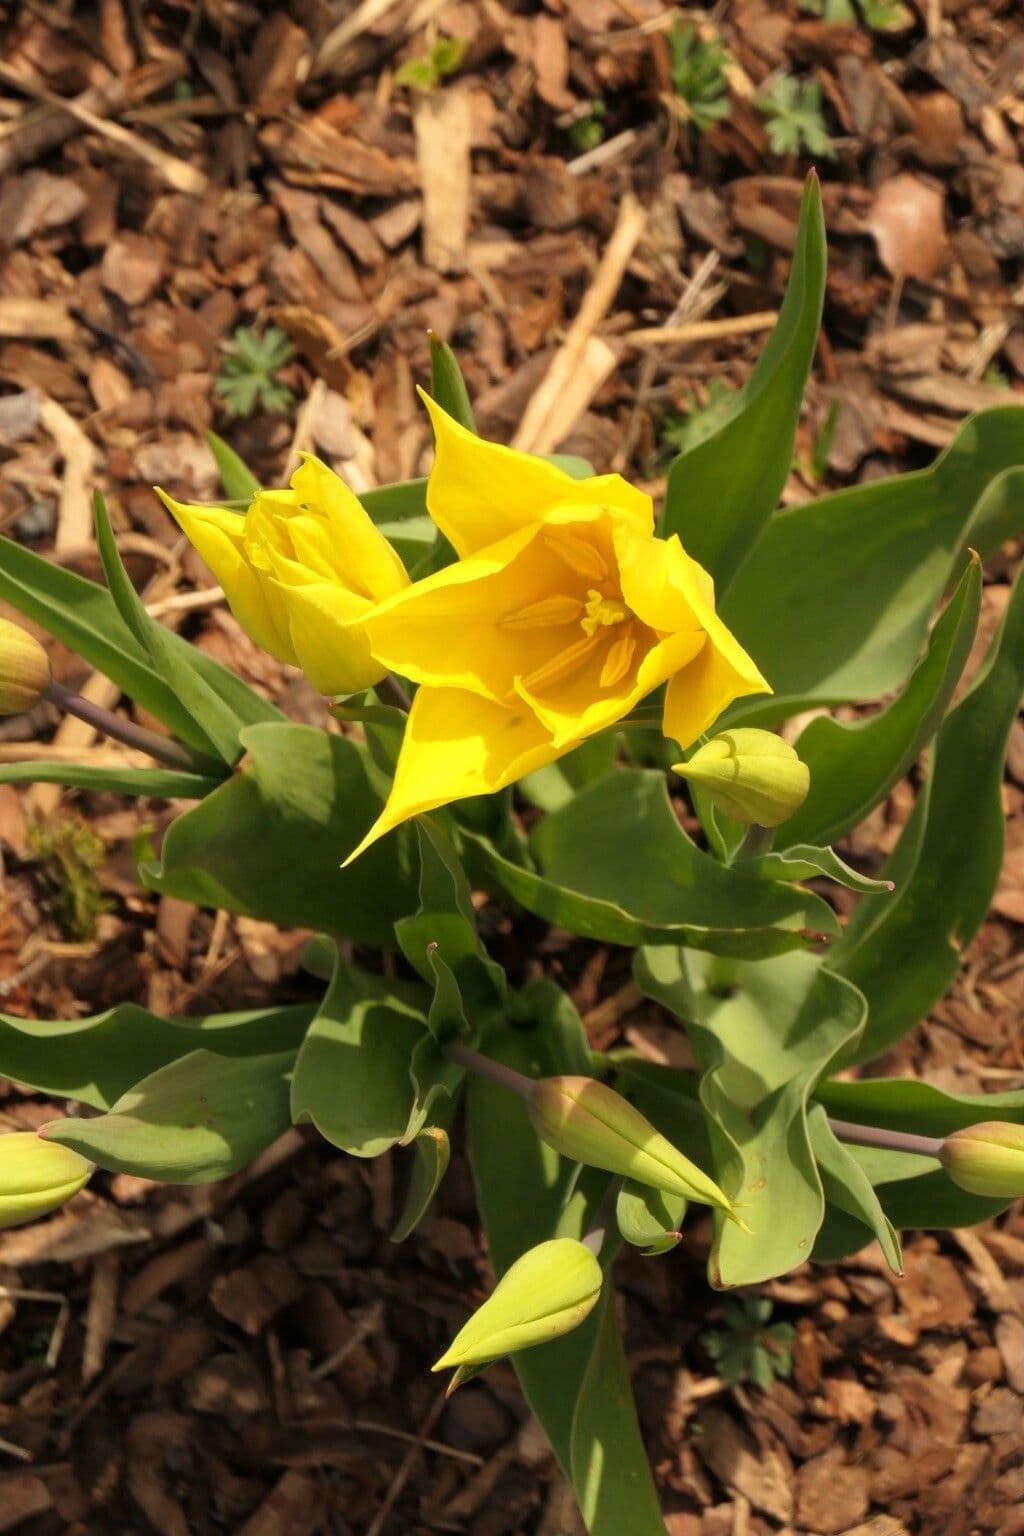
point(792, 604)
point(649, 1218)
point(904, 1104)
point(904, 954)
point(216, 719)
point(607, 1458)
point(848, 1187)
point(802, 862)
point(97, 1059)
point(352, 1077)
point(446, 921)
point(721, 493)
point(269, 843)
point(82, 616)
point(240, 484)
point(432, 1150)
point(855, 764)
point(577, 1386)
point(447, 386)
point(795, 122)
point(553, 786)
point(764, 1033)
point(165, 783)
point(616, 865)
point(198, 1119)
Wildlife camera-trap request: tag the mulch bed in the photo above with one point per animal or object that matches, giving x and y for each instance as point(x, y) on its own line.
point(254, 1357)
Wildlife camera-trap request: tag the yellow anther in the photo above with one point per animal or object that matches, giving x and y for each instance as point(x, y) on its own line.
point(602, 611)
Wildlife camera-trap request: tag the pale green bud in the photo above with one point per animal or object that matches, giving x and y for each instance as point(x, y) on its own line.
point(24, 669)
point(986, 1159)
point(36, 1176)
point(590, 1123)
point(544, 1294)
point(753, 776)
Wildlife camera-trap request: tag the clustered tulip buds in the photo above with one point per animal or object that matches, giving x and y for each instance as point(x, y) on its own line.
point(24, 669)
point(36, 1176)
point(986, 1159)
point(545, 1293)
point(589, 1122)
point(753, 776)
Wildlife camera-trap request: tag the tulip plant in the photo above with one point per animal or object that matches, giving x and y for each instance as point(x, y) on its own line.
point(518, 632)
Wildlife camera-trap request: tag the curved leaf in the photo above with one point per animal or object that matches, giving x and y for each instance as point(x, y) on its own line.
point(198, 1119)
point(269, 842)
point(98, 1059)
point(764, 1033)
point(903, 951)
point(792, 606)
point(352, 1078)
point(854, 764)
point(163, 783)
point(615, 864)
point(722, 492)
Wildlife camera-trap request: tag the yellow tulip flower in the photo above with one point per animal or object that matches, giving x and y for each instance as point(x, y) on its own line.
point(561, 613)
point(301, 570)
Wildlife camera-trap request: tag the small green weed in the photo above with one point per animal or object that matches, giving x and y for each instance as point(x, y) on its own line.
point(879, 15)
point(70, 856)
point(587, 132)
point(698, 76)
point(247, 372)
point(794, 117)
point(749, 1347)
point(681, 433)
point(432, 69)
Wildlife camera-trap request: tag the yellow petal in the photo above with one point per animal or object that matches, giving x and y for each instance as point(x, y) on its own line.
point(329, 637)
point(218, 536)
point(453, 629)
point(362, 556)
point(672, 593)
point(480, 492)
point(458, 744)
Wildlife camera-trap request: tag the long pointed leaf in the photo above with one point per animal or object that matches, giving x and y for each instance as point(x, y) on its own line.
point(722, 492)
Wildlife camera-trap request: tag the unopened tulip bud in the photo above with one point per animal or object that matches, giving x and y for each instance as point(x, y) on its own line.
point(986, 1159)
point(24, 669)
point(753, 776)
point(36, 1176)
point(544, 1294)
point(590, 1123)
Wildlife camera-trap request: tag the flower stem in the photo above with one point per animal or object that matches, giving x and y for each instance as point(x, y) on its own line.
point(391, 691)
point(893, 1141)
point(109, 724)
point(756, 840)
point(486, 1066)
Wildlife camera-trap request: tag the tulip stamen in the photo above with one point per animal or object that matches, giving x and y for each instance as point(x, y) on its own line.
point(602, 611)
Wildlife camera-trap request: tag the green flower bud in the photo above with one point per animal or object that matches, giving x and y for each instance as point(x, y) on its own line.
point(24, 669)
point(986, 1159)
point(753, 776)
point(590, 1123)
point(36, 1176)
point(544, 1294)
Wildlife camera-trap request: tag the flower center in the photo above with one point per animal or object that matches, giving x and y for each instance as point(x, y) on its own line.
point(601, 611)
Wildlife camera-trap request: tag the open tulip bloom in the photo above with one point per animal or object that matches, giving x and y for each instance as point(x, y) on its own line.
point(562, 612)
point(539, 611)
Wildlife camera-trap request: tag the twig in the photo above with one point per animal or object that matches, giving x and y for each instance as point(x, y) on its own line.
point(179, 175)
point(702, 330)
point(544, 422)
point(409, 1460)
point(362, 18)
